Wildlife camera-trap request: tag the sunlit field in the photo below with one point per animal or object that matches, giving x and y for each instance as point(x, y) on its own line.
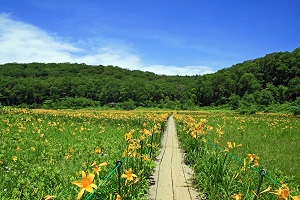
point(66, 154)
point(228, 151)
point(42, 152)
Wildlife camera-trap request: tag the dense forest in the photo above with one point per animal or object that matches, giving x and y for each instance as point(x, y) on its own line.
point(254, 85)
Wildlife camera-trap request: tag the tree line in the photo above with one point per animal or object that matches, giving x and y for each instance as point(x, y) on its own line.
point(258, 84)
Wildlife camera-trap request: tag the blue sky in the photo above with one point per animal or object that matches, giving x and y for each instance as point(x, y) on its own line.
point(178, 37)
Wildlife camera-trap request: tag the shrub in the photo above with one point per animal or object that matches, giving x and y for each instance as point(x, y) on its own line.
point(295, 110)
point(127, 105)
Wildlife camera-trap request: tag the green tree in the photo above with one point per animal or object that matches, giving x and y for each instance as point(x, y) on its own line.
point(234, 101)
point(294, 88)
point(248, 83)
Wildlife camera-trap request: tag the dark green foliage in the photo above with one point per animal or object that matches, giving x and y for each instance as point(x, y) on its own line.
point(66, 85)
point(127, 105)
point(70, 102)
point(255, 85)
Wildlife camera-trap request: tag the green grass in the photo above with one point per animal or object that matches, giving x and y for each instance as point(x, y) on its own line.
point(273, 137)
point(52, 147)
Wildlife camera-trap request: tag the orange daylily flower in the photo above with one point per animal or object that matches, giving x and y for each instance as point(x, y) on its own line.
point(98, 150)
point(147, 132)
point(146, 158)
point(118, 197)
point(14, 158)
point(97, 168)
point(128, 136)
point(128, 175)
point(86, 184)
point(253, 159)
point(282, 193)
point(142, 137)
point(67, 156)
point(236, 196)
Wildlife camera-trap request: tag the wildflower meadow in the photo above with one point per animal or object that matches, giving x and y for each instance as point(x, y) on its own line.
point(231, 153)
point(93, 154)
point(64, 154)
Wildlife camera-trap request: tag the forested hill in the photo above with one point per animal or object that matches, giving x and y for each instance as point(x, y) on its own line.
point(65, 84)
point(274, 78)
point(271, 80)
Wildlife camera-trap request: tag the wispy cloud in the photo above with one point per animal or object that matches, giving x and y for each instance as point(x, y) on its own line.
point(23, 43)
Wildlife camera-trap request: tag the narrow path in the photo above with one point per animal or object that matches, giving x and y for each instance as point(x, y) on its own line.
point(171, 178)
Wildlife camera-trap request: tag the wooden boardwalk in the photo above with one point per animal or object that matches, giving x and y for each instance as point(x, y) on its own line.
point(171, 180)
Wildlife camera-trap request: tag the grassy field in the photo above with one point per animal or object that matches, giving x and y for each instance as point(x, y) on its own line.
point(217, 151)
point(43, 151)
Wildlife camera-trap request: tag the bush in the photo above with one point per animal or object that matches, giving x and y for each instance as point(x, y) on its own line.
point(234, 101)
point(127, 105)
point(295, 110)
point(247, 110)
point(70, 102)
point(173, 105)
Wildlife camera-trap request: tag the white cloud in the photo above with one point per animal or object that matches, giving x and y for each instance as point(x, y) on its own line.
point(24, 43)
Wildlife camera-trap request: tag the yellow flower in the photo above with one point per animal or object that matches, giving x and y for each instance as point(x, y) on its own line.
point(282, 193)
point(142, 137)
point(253, 159)
point(236, 196)
point(97, 168)
point(244, 166)
point(48, 197)
point(67, 156)
point(128, 136)
point(98, 150)
point(146, 158)
point(32, 149)
point(85, 184)
point(118, 197)
point(147, 132)
point(295, 197)
point(128, 175)
point(229, 145)
point(14, 158)
point(136, 180)
point(266, 190)
point(193, 135)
